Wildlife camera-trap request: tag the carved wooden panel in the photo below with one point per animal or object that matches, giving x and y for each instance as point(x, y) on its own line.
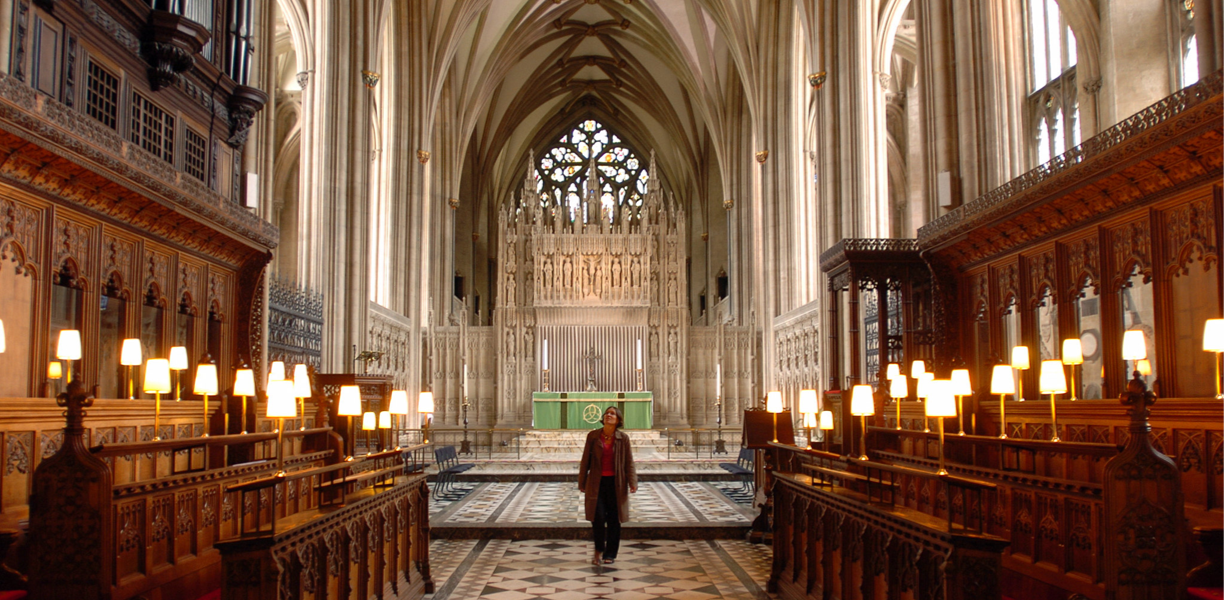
point(189, 288)
point(156, 275)
point(1190, 235)
point(20, 234)
point(118, 265)
point(1083, 261)
point(71, 248)
point(1008, 277)
point(1131, 247)
point(1041, 275)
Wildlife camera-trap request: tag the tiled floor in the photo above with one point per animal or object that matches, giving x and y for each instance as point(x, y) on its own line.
point(558, 502)
point(561, 570)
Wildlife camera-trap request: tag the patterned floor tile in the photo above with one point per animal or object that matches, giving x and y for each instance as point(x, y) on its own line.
point(562, 503)
point(559, 570)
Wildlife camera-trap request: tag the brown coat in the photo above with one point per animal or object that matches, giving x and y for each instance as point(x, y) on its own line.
point(590, 471)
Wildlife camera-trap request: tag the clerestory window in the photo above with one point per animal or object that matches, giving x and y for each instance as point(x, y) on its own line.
point(1185, 49)
point(1053, 106)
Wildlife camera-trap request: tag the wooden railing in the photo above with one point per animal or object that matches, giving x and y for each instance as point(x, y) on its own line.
point(368, 533)
point(157, 530)
point(840, 532)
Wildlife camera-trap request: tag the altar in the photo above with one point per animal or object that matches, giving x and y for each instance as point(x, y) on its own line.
point(584, 410)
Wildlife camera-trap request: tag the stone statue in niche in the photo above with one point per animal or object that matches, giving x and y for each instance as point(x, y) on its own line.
point(510, 288)
point(510, 342)
point(548, 271)
point(672, 300)
point(635, 270)
point(567, 273)
point(616, 272)
point(528, 343)
point(585, 279)
point(654, 343)
point(597, 278)
point(673, 342)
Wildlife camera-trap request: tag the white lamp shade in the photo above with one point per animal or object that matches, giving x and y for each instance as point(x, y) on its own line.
point(1144, 366)
point(1133, 345)
point(1053, 378)
point(157, 376)
point(917, 369)
point(960, 383)
point(899, 387)
point(178, 358)
point(350, 401)
point(773, 402)
point(399, 402)
point(1213, 335)
point(1001, 380)
point(425, 403)
point(244, 382)
point(301, 382)
point(276, 371)
point(69, 346)
point(55, 370)
point(1072, 352)
point(826, 420)
point(807, 401)
point(367, 421)
point(809, 420)
point(129, 353)
point(1020, 358)
point(942, 401)
point(861, 402)
point(281, 403)
point(384, 419)
point(894, 371)
point(923, 389)
point(206, 379)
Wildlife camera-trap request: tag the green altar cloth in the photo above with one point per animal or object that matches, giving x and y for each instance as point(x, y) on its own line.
point(583, 410)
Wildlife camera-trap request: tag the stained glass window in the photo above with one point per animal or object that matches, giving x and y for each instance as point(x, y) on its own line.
point(562, 170)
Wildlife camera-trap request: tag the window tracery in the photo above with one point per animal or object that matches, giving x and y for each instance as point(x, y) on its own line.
point(1053, 103)
point(561, 172)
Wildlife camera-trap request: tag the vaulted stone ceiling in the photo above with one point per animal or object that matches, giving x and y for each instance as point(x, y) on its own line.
point(659, 72)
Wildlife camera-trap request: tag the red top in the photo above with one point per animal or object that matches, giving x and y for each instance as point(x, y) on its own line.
point(609, 468)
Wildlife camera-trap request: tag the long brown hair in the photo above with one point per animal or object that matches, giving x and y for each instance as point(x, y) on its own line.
point(620, 416)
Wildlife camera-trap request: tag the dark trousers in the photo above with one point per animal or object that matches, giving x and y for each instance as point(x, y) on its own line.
point(607, 519)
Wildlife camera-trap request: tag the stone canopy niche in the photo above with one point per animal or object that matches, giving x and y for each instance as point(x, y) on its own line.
point(591, 278)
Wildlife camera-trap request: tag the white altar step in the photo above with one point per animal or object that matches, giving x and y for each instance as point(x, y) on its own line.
point(571, 441)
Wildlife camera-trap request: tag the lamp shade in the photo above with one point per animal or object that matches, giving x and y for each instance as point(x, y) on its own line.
point(384, 419)
point(773, 402)
point(960, 383)
point(350, 401)
point(941, 402)
point(206, 379)
point(917, 369)
point(1053, 379)
point(809, 420)
point(1020, 358)
point(861, 402)
point(1001, 380)
point(894, 371)
point(899, 387)
point(367, 421)
point(301, 382)
point(399, 402)
point(826, 420)
point(425, 403)
point(178, 358)
point(1133, 345)
point(276, 370)
point(129, 353)
point(69, 346)
point(1144, 366)
point(281, 403)
point(1213, 335)
point(244, 382)
point(924, 381)
point(55, 369)
point(157, 376)
point(1072, 352)
point(807, 401)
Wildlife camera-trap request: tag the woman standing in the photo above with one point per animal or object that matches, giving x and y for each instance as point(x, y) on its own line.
point(607, 476)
